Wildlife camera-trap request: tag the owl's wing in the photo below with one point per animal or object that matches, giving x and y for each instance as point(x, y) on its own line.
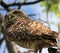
point(39, 29)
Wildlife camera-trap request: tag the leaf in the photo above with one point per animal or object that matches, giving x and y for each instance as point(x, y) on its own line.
point(58, 14)
point(54, 7)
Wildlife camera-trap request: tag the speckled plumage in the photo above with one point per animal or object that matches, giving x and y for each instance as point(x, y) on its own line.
point(28, 33)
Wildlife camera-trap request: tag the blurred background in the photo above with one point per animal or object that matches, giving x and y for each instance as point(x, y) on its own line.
point(45, 11)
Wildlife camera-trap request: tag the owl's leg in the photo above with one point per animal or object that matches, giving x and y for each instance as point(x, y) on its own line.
point(38, 47)
point(35, 50)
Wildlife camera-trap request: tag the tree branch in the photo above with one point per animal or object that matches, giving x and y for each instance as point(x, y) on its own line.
point(6, 6)
point(25, 3)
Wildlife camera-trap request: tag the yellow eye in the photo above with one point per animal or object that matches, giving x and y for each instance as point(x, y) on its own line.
point(9, 17)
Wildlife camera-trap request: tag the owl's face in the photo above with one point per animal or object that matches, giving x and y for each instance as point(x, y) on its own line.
point(14, 14)
point(11, 15)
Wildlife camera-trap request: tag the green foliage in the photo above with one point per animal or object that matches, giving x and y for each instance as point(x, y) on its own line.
point(51, 5)
point(54, 7)
point(58, 14)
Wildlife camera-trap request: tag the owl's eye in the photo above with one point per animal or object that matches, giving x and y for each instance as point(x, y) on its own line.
point(10, 17)
point(16, 12)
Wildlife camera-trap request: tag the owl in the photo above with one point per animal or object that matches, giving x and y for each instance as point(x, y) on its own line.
point(28, 33)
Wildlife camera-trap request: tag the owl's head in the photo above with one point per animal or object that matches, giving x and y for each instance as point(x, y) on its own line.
point(14, 14)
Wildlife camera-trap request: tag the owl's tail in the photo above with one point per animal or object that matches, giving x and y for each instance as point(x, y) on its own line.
point(51, 38)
